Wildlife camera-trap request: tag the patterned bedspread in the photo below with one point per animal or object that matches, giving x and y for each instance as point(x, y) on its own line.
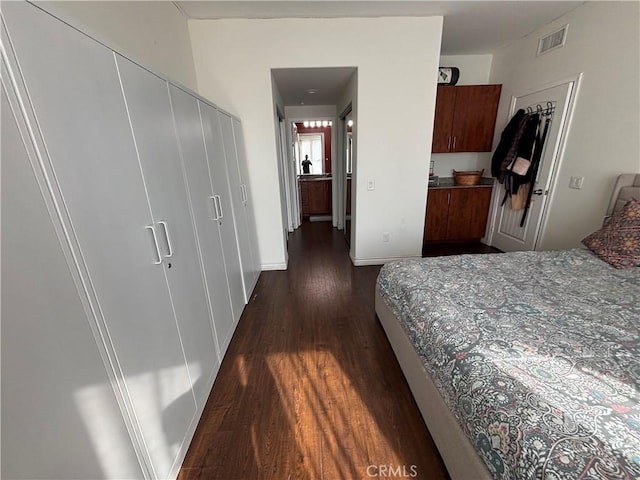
point(537, 354)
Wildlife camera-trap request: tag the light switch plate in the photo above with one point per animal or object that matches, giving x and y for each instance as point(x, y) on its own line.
point(371, 184)
point(576, 182)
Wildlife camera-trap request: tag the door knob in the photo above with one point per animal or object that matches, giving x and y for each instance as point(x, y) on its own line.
point(538, 191)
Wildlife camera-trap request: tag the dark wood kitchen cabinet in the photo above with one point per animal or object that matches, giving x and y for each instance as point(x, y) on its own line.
point(457, 213)
point(465, 118)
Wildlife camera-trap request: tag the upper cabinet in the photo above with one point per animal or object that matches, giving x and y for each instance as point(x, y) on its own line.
point(465, 118)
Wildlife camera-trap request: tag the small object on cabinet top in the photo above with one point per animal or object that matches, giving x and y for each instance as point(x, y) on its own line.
point(471, 177)
point(448, 75)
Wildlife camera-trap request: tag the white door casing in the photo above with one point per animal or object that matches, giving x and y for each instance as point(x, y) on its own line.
point(505, 232)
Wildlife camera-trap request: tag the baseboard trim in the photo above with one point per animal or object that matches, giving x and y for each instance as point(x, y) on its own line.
point(273, 266)
point(361, 262)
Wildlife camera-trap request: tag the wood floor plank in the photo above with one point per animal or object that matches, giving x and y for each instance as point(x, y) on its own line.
point(310, 387)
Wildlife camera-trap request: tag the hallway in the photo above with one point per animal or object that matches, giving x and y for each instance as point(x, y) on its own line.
point(310, 388)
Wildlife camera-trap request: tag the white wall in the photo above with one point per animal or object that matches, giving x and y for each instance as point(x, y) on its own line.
point(474, 70)
point(397, 60)
point(604, 139)
point(153, 33)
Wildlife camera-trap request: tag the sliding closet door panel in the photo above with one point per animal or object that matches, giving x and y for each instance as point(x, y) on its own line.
point(221, 187)
point(237, 193)
point(149, 107)
point(243, 168)
point(52, 372)
point(75, 91)
point(204, 209)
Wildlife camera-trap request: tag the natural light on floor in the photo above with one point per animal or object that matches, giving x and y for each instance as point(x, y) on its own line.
point(319, 400)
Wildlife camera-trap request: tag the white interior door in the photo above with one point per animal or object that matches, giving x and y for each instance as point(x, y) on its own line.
point(506, 233)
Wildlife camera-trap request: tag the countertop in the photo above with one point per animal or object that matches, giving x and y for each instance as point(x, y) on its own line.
point(447, 182)
point(309, 177)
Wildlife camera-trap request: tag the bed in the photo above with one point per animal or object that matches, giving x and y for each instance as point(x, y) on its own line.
point(524, 365)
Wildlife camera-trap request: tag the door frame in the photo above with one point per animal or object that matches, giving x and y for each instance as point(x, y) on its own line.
point(295, 197)
point(496, 198)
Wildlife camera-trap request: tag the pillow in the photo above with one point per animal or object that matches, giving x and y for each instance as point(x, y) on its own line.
point(618, 242)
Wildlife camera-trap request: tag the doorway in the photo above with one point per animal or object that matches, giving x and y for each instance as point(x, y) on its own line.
point(509, 230)
point(313, 146)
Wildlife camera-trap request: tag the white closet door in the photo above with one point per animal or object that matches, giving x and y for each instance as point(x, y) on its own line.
point(221, 187)
point(238, 135)
point(205, 209)
point(52, 372)
point(149, 107)
point(75, 91)
point(238, 196)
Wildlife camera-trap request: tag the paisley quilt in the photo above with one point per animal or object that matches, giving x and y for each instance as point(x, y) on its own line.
point(537, 354)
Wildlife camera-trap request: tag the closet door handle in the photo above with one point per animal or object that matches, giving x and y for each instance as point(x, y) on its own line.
point(215, 207)
point(166, 236)
point(220, 206)
point(243, 189)
point(155, 241)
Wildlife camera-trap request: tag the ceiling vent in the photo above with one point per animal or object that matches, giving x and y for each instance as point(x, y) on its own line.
point(553, 40)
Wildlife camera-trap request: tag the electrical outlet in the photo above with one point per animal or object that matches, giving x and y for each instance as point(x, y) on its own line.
point(576, 182)
point(371, 184)
point(385, 237)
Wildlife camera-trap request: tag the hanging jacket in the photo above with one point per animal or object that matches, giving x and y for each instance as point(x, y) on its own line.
point(524, 150)
point(506, 141)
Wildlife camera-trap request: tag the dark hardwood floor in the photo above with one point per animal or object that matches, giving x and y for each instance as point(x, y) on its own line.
point(310, 387)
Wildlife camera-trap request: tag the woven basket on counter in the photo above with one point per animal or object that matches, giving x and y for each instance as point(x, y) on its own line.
point(467, 178)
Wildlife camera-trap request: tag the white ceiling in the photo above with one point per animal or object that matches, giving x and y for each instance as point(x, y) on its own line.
point(293, 84)
point(470, 27)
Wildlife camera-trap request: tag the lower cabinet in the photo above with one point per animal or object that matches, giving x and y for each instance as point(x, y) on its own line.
point(315, 196)
point(457, 213)
point(122, 280)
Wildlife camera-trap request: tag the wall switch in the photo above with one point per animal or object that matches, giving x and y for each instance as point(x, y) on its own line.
point(385, 237)
point(371, 184)
point(576, 182)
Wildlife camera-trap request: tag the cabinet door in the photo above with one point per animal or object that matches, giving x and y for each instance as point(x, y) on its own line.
point(194, 156)
point(75, 91)
point(54, 382)
point(474, 121)
point(243, 168)
point(443, 120)
point(468, 212)
point(227, 223)
point(238, 201)
point(319, 197)
point(304, 198)
point(149, 108)
point(435, 225)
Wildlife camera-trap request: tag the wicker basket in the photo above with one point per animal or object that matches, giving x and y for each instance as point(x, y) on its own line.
point(467, 178)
